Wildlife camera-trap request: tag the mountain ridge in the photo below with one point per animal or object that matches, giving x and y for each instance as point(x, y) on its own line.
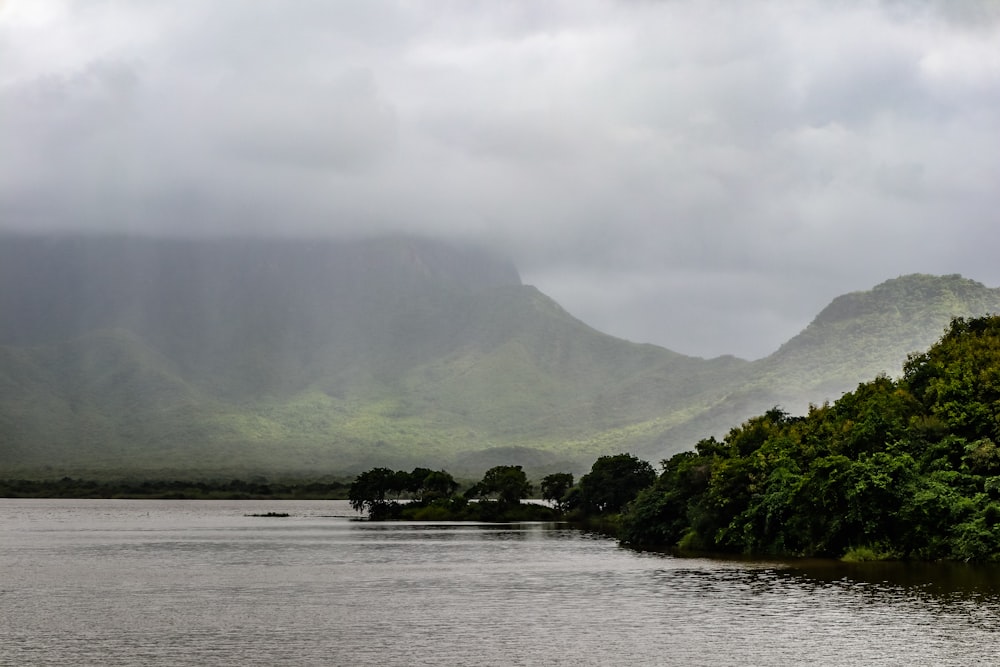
point(906, 314)
point(138, 355)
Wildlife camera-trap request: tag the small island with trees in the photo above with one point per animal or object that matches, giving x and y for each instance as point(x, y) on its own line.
point(430, 495)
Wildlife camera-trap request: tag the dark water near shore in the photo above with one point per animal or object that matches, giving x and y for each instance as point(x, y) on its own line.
point(103, 582)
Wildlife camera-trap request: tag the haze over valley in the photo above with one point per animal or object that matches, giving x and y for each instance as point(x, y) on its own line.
point(152, 356)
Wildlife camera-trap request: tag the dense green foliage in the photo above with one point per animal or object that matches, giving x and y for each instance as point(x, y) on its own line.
point(430, 496)
point(613, 482)
point(376, 491)
point(904, 469)
point(555, 488)
point(507, 484)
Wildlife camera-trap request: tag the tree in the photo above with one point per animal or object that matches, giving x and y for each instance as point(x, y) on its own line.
point(659, 514)
point(437, 484)
point(613, 481)
point(958, 379)
point(369, 489)
point(555, 487)
point(415, 480)
point(508, 483)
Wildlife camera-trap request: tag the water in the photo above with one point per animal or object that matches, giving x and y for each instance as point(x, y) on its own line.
point(127, 582)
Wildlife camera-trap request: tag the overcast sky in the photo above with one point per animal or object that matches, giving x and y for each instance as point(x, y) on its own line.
point(704, 175)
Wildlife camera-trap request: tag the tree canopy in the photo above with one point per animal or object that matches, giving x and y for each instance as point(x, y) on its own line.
point(613, 481)
point(554, 488)
point(508, 484)
point(371, 489)
point(432, 495)
point(904, 468)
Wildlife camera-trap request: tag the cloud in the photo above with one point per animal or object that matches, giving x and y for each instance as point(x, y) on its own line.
point(705, 175)
point(345, 126)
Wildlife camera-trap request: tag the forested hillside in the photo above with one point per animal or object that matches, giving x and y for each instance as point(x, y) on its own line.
point(858, 336)
point(905, 468)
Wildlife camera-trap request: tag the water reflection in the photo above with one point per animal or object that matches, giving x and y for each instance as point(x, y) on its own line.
point(88, 582)
point(945, 580)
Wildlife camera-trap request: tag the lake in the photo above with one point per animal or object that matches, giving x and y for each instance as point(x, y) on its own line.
point(152, 582)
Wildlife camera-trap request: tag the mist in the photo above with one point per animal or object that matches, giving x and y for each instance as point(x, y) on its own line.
point(700, 175)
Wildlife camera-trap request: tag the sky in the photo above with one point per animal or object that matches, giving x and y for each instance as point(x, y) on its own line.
point(702, 175)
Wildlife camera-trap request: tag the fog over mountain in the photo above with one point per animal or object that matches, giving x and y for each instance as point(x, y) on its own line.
point(706, 176)
point(162, 356)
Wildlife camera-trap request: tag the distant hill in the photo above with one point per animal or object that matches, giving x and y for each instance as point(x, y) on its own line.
point(873, 332)
point(854, 339)
point(863, 334)
point(156, 357)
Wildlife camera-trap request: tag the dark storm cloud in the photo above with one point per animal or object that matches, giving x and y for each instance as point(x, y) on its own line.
point(704, 175)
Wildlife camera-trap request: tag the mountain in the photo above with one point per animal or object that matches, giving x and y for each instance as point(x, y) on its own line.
point(242, 318)
point(138, 354)
point(854, 339)
point(155, 357)
point(864, 334)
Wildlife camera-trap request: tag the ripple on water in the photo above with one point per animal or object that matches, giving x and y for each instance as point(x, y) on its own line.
point(200, 583)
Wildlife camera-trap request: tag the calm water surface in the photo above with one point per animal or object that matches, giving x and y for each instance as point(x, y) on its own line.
point(128, 582)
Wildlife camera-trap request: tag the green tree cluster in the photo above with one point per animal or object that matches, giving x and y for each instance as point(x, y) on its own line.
point(613, 482)
point(555, 487)
point(378, 490)
point(507, 484)
point(906, 468)
point(432, 495)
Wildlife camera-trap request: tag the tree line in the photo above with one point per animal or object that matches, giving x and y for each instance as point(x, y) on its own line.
point(900, 469)
point(230, 489)
point(423, 494)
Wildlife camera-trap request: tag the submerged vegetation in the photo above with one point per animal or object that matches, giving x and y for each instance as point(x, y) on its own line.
point(906, 469)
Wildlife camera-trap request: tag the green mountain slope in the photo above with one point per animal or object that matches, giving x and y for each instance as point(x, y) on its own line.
point(162, 357)
point(857, 337)
point(864, 334)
